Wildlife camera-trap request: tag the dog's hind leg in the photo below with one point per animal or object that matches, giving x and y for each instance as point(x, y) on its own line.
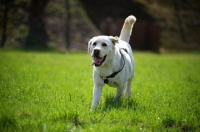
point(119, 93)
point(128, 89)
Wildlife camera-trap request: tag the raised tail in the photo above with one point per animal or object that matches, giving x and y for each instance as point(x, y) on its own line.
point(127, 28)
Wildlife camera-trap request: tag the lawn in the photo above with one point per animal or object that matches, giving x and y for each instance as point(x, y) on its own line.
point(48, 91)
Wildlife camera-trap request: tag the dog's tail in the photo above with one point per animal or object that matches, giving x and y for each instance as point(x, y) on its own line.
point(127, 28)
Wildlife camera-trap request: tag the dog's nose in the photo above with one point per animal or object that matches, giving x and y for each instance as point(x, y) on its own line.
point(96, 51)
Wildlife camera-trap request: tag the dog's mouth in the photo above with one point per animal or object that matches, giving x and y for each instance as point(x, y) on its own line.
point(97, 61)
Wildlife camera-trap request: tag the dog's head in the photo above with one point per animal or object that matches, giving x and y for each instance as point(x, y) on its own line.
point(101, 48)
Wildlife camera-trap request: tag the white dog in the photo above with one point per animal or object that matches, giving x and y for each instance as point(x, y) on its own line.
point(113, 62)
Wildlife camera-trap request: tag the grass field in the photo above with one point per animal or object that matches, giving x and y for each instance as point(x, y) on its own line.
point(46, 91)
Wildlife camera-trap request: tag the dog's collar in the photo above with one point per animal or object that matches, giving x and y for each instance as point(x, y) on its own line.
point(105, 79)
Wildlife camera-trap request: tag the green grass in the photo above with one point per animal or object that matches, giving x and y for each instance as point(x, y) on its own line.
point(44, 91)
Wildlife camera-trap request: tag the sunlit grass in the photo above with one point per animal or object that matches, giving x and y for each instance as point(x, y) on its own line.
point(44, 91)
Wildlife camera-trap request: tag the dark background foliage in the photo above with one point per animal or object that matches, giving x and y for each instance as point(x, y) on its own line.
point(61, 24)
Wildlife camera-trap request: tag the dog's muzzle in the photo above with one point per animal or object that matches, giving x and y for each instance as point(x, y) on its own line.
point(97, 61)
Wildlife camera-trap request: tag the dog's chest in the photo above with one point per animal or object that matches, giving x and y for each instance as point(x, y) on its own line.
point(112, 82)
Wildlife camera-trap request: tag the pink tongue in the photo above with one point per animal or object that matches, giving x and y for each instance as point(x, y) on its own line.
point(96, 60)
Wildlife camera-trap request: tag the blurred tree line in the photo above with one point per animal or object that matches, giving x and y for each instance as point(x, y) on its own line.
point(21, 14)
point(43, 23)
point(180, 20)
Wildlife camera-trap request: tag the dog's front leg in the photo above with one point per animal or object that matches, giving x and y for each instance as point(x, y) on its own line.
point(97, 91)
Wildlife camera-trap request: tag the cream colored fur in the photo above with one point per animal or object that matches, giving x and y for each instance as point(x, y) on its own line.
point(112, 49)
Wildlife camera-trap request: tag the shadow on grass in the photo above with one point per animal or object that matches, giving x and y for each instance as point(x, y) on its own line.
point(70, 117)
point(123, 103)
point(8, 123)
point(169, 123)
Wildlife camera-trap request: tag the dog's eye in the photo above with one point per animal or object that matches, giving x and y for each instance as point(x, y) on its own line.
point(94, 43)
point(104, 44)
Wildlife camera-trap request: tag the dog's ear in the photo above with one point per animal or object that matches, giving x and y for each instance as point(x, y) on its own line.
point(114, 39)
point(89, 44)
